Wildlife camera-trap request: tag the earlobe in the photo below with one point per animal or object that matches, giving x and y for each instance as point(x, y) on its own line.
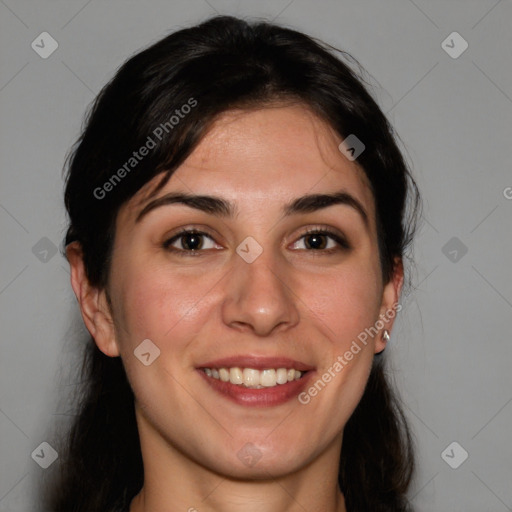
point(93, 303)
point(389, 305)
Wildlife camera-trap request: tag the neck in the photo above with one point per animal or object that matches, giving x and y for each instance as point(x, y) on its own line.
point(229, 496)
point(174, 482)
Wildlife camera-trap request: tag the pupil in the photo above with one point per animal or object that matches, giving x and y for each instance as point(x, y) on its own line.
point(191, 242)
point(315, 241)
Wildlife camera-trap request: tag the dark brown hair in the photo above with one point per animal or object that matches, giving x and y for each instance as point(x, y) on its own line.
point(221, 64)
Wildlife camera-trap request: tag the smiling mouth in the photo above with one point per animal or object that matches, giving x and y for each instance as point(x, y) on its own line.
point(254, 379)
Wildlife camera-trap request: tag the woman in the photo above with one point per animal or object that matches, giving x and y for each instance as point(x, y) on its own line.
point(237, 207)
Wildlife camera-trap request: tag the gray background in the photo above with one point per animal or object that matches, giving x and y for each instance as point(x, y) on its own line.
point(451, 347)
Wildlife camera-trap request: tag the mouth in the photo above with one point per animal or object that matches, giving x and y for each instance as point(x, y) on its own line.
point(253, 378)
point(256, 381)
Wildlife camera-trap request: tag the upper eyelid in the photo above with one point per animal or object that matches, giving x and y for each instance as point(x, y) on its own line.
point(191, 228)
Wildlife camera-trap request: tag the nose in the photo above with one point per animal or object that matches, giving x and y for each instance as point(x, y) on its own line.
point(259, 297)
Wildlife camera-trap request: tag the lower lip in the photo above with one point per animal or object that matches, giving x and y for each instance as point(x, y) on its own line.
point(264, 397)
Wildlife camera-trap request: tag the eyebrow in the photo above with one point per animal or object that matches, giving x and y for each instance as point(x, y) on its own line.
point(222, 208)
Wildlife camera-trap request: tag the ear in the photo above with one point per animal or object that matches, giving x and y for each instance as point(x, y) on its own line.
point(389, 304)
point(93, 303)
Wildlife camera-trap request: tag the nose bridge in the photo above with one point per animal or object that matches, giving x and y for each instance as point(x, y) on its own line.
point(258, 296)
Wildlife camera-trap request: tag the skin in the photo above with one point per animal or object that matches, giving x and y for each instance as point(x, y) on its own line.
point(294, 301)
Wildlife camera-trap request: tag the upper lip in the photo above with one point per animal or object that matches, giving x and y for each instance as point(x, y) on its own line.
point(257, 363)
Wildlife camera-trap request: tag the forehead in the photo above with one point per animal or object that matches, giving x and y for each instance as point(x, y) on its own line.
point(266, 156)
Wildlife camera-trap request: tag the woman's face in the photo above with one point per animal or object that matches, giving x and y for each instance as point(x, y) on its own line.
point(260, 287)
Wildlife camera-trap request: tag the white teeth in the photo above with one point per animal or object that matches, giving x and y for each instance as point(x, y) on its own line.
point(256, 379)
point(251, 377)
point(268, 378)
point(236, 376)
point(281, 376)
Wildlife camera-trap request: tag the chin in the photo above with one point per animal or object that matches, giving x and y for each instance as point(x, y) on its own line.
point(260, 470)
point(260, 461)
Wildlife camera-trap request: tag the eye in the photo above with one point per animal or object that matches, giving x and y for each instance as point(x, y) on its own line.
point(190, 241)
point(320, 240)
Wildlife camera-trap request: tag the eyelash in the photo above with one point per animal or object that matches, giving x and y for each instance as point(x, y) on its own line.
point(342, 242)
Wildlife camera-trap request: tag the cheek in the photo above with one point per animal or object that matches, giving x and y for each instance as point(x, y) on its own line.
point(169, 310)
point(157, 304)
point(342, 307)
point(346, 302)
